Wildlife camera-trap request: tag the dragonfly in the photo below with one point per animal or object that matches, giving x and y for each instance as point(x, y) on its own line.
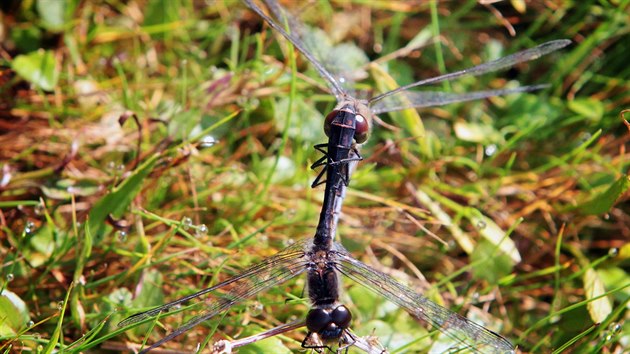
point(323, 261)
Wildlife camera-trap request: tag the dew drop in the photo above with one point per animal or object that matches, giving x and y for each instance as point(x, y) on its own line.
point(490, 149)
point(29, 227)
point(263, 238)
point(207, 142)
point(202, 230)
point(40, 348)
point(30, 324)
point(256, 308)
point(10, 277)
point(120, 168)
point(37, 335)
point(60, 305)
point(121, 235)
point(186, 223)
point(606, 216)
point(111, 166)
point(615, 327)
point(481, 224)
point(613, 252)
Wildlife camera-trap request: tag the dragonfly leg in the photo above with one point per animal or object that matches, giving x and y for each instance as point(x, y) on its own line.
point(321, 162)
point(358, 157)
point(345, 342)
point(317, 345)
point(318, 180)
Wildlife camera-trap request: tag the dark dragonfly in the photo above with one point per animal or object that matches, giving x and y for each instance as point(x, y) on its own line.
point(328, 321)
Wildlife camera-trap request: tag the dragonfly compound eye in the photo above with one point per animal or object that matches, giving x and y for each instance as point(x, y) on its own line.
point(317, 320)
point(363, 129)
point(341, 316)
point(328, 122)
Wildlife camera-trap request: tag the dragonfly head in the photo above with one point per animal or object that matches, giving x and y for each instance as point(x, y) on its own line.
point(329, 324)
point(359, 113)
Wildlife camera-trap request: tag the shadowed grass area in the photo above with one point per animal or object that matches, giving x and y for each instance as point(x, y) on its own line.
point(153, 148)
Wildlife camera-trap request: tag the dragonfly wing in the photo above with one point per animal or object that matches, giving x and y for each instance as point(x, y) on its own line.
point(298, 37)
point(494, 65)
point(272, 271)
point(420, 99)
point(466, 335)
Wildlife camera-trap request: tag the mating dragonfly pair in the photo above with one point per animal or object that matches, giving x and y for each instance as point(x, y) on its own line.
point(321, 258)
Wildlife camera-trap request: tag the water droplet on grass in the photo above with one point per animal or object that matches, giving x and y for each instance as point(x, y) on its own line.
point(29, 227)
point(202, 230)
point(207, 142)
point(186, 223)
point(490, 150)
point(256, 308)
point(122, 235)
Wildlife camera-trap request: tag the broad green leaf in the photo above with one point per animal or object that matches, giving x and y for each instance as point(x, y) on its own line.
point(611, 277)
point(27, 39)
point(602, 202)
point(161, 11)
point(598, 309)
point(41, 246)
point(151, 291)
point(477, 133)
point(53, 13)
point(463, 239)
point(495, 235)
point(13, 314)
point(490, 263)
point(117, 201)
point(409, 119)
point(590, 108)
point(38, 68)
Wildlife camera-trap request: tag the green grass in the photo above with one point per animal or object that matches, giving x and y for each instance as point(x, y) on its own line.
point(208, 171)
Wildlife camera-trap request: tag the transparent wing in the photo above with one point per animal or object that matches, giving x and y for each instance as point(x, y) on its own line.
point(420, 99)
point(272, 271)
point(300, 38)
point(494, 65)
point(466, 335)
